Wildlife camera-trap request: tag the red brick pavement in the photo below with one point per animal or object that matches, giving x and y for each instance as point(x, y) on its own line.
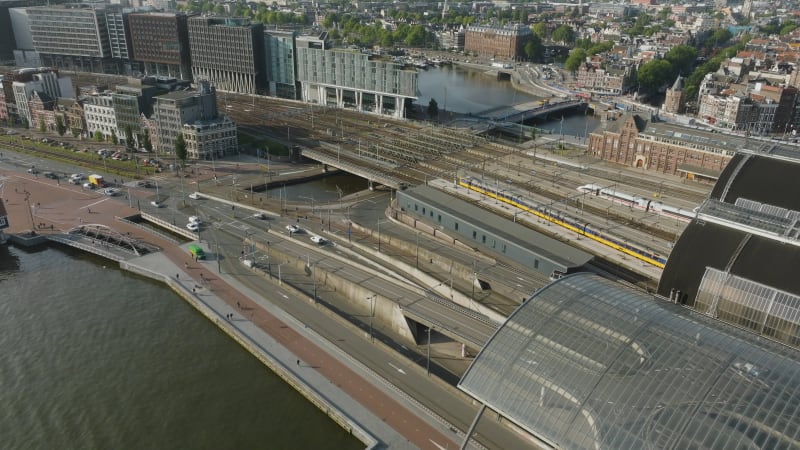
point(66, 206)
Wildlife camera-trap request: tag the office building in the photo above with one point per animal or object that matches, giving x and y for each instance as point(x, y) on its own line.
point(280, 63)
point(348, 79)
point(160, 42)
point(208, 135)
point(72, 37)
point(229, 53)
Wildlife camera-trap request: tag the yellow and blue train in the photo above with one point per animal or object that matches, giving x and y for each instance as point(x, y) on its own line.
point(582, 228)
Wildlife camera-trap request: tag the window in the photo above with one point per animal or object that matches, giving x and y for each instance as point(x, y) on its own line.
point(456, 225)
point(535, 263)
point(483, 239)
point(474, 235)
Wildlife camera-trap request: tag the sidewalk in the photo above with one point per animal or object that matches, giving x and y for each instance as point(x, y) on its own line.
point(341, 387)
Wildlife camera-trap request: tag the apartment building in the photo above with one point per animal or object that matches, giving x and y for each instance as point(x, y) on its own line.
point(100, 116)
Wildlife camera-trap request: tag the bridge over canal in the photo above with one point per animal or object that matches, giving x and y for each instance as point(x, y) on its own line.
point(529, 110)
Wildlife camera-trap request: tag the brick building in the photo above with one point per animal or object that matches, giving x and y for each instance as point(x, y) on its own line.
point(662, 147)
point(502, 43)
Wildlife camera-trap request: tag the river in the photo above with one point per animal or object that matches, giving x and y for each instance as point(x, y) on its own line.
point(95, 357)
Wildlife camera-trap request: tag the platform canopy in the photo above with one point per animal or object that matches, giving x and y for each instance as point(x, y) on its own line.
point(587, 363)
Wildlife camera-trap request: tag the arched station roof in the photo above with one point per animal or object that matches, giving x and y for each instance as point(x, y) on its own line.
point(587, 363)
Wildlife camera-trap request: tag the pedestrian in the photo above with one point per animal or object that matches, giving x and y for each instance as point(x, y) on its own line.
point(185, 264)
point(177, 276)
point(89, 209)
point(298, 362)
point(194, 290)
point(238, 305)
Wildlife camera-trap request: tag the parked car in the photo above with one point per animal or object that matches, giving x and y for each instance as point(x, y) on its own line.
point(195, 219)
point(318, 239)
point(292, 228)
point(33, 170)
point(111, 191)
point(157, 204)
point(193, 226)
point(88, 185)
point(144, 184)
point(195, 196)
point(259, 215)
point(50, 175)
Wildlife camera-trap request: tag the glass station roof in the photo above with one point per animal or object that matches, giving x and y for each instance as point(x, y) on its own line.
point(587, 363)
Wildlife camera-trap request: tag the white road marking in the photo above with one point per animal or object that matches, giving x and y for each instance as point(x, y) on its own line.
point(397, 368)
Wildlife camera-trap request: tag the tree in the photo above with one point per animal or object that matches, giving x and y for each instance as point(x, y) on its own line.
point(433, 109)
point(654, 75)
point(541, 29)
point(575, 59)
point(128, 136)
point(719, 38)
point(60, 127)
point(682, 58)
point(42, 127)
point(98, 136)
point(564, 34)
point(147, 143)
point(533, 134)
point(534, 49)
point(114, 138)
point(180, 147)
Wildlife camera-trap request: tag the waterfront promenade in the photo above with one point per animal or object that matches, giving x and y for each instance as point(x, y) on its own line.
point(342, 387)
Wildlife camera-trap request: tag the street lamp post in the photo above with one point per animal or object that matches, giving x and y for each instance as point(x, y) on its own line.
point(371, 299)
point(269, 262)
point(428, 363)
point(417, 253)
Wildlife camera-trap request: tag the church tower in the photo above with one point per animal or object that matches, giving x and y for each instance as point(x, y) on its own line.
point(673, 103)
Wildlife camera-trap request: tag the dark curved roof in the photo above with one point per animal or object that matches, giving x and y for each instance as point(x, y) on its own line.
point(729, 247)
point(587, 363)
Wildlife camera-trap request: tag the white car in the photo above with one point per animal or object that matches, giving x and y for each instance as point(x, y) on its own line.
point(111, 192)
point(195, 196)
point(157, 204)
point(318, 239)
point(292, 228)
point(259, 215)
point(193, 226)
point(195, 219)
point(88, 185)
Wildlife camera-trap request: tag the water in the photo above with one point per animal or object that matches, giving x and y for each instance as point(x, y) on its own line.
point(94, 357)
point(324, 189)
point(466, 91)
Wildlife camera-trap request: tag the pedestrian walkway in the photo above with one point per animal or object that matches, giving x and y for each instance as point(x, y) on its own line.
point(341, 386)
point(295, 353)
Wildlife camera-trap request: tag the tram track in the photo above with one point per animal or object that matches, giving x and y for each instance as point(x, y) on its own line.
point(70, 157)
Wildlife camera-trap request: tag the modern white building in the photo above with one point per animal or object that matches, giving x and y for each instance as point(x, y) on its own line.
point(354, 80)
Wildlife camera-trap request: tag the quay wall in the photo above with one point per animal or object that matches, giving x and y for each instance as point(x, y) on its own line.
point(261, 353)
